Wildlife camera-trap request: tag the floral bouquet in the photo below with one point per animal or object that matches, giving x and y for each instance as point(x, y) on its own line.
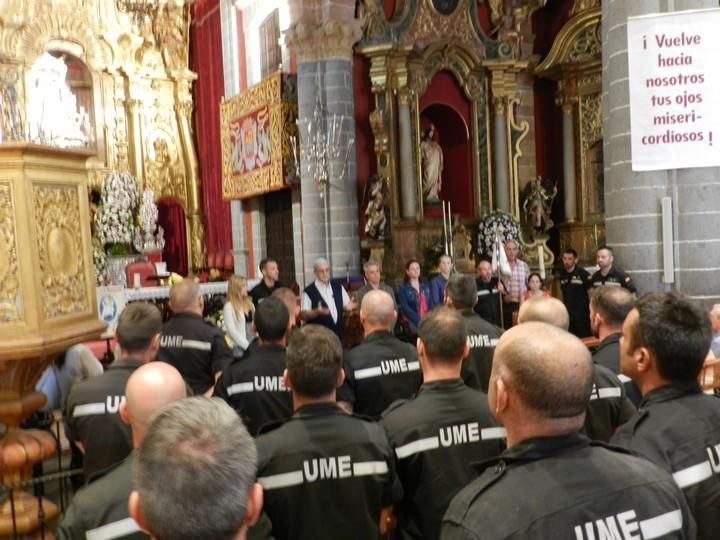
point(502, 223)
point(115, 218)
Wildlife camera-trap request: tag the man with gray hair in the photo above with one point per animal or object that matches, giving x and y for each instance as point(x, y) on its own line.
point(552, 482)
point(609, 407)
point(371, 269)
point(382, 368)
point(195, 474)
point(715, 322)
point(100, 510)
point(324, 301)
point(196, 348)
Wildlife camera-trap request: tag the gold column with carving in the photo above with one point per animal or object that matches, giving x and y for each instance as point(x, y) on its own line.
point(47, 300)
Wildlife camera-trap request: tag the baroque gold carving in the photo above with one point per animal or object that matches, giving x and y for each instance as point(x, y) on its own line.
point(427, 26)
point(583, 5)
point(62, 264)
point(164, 172)
point(332, 39)
point(587, 45)
point(591, 118)
point(9, 283)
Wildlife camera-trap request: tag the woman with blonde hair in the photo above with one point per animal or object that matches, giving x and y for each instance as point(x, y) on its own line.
point(238, 314)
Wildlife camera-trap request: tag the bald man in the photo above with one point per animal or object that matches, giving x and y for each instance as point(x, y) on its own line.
point(609, 407)
point(552, 482)
point(197, 349)
point(382, 368)
point(100, 510)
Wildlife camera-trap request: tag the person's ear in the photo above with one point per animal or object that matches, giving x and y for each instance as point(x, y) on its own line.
point(501, 397)
point(466, 350)
point(340, 378)
point(135, 510)
point(124, 414)
point(644, 360)
point(286, 379)
point(254, 505)
point(155, 343)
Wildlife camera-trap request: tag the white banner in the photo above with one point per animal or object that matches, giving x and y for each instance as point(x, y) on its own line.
point(674, 90)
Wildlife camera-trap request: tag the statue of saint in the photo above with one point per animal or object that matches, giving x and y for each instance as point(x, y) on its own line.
point(375, 215)
point(538, 205)
point(432, 166)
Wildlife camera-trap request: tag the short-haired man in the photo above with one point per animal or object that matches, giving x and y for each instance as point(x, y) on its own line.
point(100, 510)
point(437, 284)
point(715, 322)
point(269, 282)
point(489, 289)
point(609, 406)
point(551, 482)
point(664, 344)
point(382, 368)
point(195, 474)
point(253, 385)
point(291, 303)
point(461, 294)
point(371, 269)
point(324, 301)
point(608, 274)
point(575, 283)
point(92, 419)
point(516, 285)
point(196, 348)
point(326, 474)
point(440, 432)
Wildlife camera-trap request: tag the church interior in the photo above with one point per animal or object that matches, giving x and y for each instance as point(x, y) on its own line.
point(142, 140)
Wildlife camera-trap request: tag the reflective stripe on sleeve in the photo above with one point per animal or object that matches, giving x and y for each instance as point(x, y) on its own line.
point(89, 409)
point(197, 345)
point(277, 481)
point(117, 529)
point(693, 475)
point(661, 525)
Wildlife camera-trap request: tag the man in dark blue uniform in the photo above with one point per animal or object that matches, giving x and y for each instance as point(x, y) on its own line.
point(575, 283)
point(440, 432)
point(254, 385)
point(326, 474)
point(665, 341)
point(92, 419)
point(552, 482)
point(608, 274)
point(196, 348)
point(382, 368)
point(489, 289)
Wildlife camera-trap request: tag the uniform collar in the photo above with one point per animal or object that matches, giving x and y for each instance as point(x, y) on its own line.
point(609, 340)
point(670, 392)
point(378, 335)
point(443, 385)
point(127, 363)
point(318, 409)
point(544, 447)
point(186, 315)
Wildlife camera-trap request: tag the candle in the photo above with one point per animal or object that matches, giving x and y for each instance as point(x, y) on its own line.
point(136, 280)
point(450, 228)
point(541, 261)
point(445, 238)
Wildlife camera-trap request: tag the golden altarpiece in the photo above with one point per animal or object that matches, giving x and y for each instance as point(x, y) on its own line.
point(409, 53)
point(575, 63)
point(126, 67)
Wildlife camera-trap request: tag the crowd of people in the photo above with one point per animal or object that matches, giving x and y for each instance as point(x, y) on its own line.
point(482, 426)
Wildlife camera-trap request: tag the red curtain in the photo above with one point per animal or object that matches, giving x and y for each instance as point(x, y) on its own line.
point(171, 217)
point(206, 60)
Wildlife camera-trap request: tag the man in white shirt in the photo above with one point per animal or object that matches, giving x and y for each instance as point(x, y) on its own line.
point(323, 301)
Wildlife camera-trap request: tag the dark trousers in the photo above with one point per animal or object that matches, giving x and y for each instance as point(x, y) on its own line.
point(508, 309)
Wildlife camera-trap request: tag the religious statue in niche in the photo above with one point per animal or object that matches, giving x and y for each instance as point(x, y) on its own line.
point(375, 211)
point(538, 197)
point(170, 29)
point(162, 168)
point(432, 166)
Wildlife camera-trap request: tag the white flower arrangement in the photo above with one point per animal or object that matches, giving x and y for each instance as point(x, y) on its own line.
point(146, 239)
point(498, 221)
point(115, 218)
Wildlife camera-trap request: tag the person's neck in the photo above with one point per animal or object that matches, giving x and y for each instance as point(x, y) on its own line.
point(282, 342)
point(440, 372)
point(605, 331)
point(531, 428)
point(142, 356)
point(513, 262)
point(300, 400)
point(650, 382)
point(571, 269)
point(445, 275)
point(605, 271)
point(268, 282)
point(415, 282)
point(374, 285)
point(189, 311)
point(372, 328)
point(325, 283)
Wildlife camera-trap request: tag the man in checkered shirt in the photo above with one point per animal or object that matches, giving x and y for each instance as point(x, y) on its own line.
point(516, 285)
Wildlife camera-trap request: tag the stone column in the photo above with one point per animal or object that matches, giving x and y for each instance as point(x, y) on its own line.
point(500, 156)
point(322, 33)
point(633, 199)
point(568, 142)
point(408, 185)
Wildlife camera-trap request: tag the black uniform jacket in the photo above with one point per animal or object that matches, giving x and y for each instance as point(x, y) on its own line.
point(488, 300)
point(566, 488)
point(378, 371)
point(100, 510)
point(436, 436)
point(253, 385)
point(326, 475)
point(196, 348)
point(614, 278)
point(92, 417)
point(678, 428)
point(608, 408)
point(482, 339)
point(574, 286)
